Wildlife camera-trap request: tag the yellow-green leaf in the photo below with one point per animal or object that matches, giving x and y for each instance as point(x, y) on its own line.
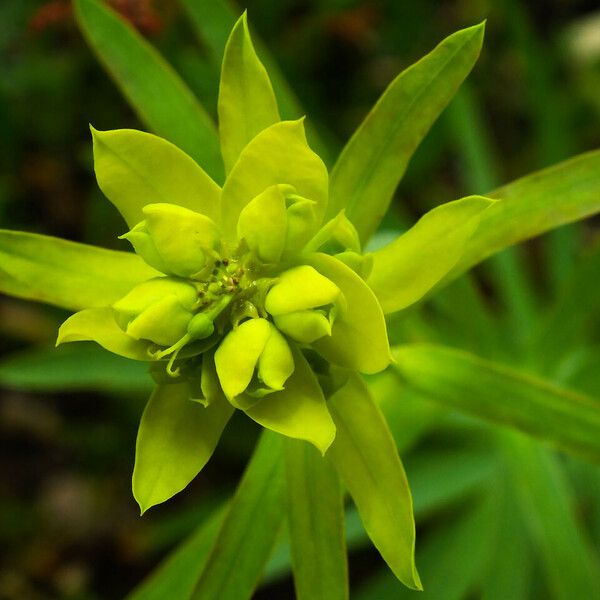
point(66, 274)
point(247, 103)
point(299, 411)
point(250, 528)
point(175, 440)
point(278, 154)
point(406, 269)
point(359, 336)
point(135, 168)
point(316, 524)
point(369, 168)
point(365, 456)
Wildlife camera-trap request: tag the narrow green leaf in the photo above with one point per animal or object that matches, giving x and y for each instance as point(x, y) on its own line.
point(534, 204)
point(299, 410)
point(135, 168)
point(503, 395)
point(212, 21)
point(247, 103)
point(453, 558)
point(359, 336)
point(175, 440)
point(441, 477)
point(278, 154)
point(374, 160)
point(152, 87)
point(405, 270)
point(570, 565)
point(365, 456)
point(316, 524)
point(250, 528)
point(81, 367)
point(510, 569)
point(176, 576)
point(66, 274)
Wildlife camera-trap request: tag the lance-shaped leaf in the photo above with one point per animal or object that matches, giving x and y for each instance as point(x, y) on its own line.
point(365, 456)
point(503, 395)
point(316, 524)
point(358, 337)
point(134, 169)
point(73, 368)
point(534, 204)
point(99, 325)
point(175, 440)
point(154, 90)
point(250, 529)
point(374, 160)
point(212, 22)
point(66, 274)
point(548, 504)
point(405, 270)
point(299, 411)
point(177, 575)
point(247, 103)
point(278, 154)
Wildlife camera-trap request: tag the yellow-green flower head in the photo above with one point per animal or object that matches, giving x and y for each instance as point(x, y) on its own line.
point(255, 295)
point(250, 283)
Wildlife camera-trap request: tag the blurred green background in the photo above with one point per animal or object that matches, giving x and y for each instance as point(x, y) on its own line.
point(69, 526)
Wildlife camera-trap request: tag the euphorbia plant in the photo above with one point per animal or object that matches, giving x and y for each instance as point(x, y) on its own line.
point(255, 293)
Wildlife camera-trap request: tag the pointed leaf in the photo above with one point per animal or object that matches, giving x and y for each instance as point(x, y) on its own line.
point(250, 529)
point(73, 368)
point(66, 274)
point(299, 411)
point(176, 439)
point(548, 505)
point(534, 204)
point(278, 154)
point(365, 456)
point(212, 23)
point(134, 169)
point(99, 325)
point(316, 524)
point(152, 87)
point(358, 337)
point(453, 558)
point(405, 270)
point(247, 103)
point(503, 395)
point(176, 576)
point(374, 160)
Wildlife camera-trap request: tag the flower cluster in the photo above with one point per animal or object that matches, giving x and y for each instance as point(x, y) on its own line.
point(257, 290)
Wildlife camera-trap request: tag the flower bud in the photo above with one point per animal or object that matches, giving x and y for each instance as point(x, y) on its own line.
point(303, 304)
point(174, 239)
point(277, 222)
point(301, 222)
point(254, 359)
point(305, 326)
point(159, 310)
point(300, 288)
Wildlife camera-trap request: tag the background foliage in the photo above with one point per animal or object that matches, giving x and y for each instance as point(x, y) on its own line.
point(496, 510)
